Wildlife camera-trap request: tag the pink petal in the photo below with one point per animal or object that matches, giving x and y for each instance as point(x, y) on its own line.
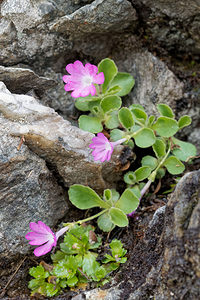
point(85, 92)
point(91, 69)
point(79, 66)
point(44, 249)
point(99, 78)
point(70, 68)
point(66, 78)
point(92, 90)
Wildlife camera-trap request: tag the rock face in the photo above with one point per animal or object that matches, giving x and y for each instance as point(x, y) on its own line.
point(165, 264)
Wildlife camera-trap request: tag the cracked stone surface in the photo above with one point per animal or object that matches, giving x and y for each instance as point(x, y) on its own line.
point(21, 80)
point(99, 17)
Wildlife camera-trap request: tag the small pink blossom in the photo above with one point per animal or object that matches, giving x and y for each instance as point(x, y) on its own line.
point(41, 234)
point(82, 78)
point(103, 149)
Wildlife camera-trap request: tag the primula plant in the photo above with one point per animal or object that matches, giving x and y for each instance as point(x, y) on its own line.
point(97, 92)
point(76, 263)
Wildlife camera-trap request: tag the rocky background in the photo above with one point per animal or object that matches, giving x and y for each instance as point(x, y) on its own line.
point(42, 151)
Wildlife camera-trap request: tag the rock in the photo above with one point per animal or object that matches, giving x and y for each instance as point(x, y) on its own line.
point(64, 147)
point(28, 192)
point(172, 25)
point(154, 82)
point(99, 17)
point(20, 80)
point(165, 263)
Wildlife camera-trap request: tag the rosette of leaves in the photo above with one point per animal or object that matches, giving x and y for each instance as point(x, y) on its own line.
point(114, 207)
point(76, 263)
point(104, 106)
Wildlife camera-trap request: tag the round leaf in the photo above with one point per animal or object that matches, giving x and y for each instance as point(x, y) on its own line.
point(184, 121)
point(112, 120)
point(174, 165)
point(130, 177)
point(81, 104)
point(84, 197)
point(159, 148)
point(118, 217)
point(165, 110)
point(108, 67)
point(113, 90)
point(104, 222)
point(110, 103)
point(126, 117)
point(116, 134)
point(166, 126)
point(139, 114)
point(151, 120)
point(128, 202)
point(160, 173)
point(145, 138)
point(149, 161)
point(125, 81)
point(91, 124)
point(184, 151)
point(142, 173)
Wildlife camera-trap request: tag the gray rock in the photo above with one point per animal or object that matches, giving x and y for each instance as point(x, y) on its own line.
point(20, 80)
point(172, 25)
point(165, 264)
point(64, 147)
point(28, 192)
point(99, 17)
point(154, 82)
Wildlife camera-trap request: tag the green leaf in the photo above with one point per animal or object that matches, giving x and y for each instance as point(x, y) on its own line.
point(165, 110)
point(108, 67)
point(151, 120)
point(36, 283)
point(142, 173)
point(72, 281)
point(112, 120)
point(118, 217)
point(130, 177)
point(91, 124)
point(104, 222)
point(84, 197)
point(90, 264)
point(139, 114)
point(166, 126)
point(111, 103)
point(184, 151)
point(133, 106)
point(113, 90)
point(125, 81)
point(116, 134)
point(117, 248)
point(99, 273)
point(59, 255)
point(184, 121)
point(160, 173)
point(81, 104)
point(51, 290)
point(149, 161)
point(107, 195)
point(127, 202)
point(145, 138)
point(136, 191)
point(38, 272)
point(174, 165)
point(95, 108)
point(159, 148)
point(115, 195)
point(126, 117)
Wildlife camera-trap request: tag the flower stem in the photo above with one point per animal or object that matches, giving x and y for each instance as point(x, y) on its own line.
point(87, 219)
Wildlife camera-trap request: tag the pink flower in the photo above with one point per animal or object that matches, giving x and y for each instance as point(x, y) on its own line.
point(81, 79)
point(41, 234)
point(103, 149)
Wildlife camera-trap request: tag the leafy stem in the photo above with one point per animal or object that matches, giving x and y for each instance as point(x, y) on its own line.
point(153, 174)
